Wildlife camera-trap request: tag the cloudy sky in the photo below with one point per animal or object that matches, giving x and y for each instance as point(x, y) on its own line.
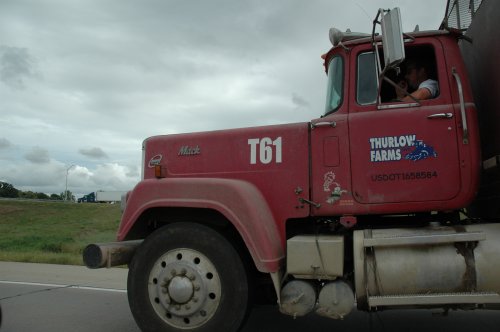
point(83, 82)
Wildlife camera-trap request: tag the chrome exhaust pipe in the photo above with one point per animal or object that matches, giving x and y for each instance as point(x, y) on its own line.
point(109, 254)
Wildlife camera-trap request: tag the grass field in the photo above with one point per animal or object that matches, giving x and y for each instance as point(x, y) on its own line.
point(53, 232)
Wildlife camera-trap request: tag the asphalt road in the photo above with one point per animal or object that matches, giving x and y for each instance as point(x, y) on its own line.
point(47, 298)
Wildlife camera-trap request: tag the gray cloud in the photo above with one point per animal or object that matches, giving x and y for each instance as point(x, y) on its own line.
point(299, 101)
point(16, 65)
point(133, 171)
point(4, 143)
point(38, 155)
point(116, 72)
point(94, 153)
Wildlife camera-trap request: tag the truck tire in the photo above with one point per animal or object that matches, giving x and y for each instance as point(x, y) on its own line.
point(188, 277)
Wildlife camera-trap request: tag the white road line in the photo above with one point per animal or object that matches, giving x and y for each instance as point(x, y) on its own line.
point(62, 286)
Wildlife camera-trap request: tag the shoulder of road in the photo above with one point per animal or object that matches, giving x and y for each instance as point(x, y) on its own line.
point(113, 279)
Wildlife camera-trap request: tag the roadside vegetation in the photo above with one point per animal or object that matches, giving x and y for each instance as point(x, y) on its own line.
point(53, 232)
point(7, 190)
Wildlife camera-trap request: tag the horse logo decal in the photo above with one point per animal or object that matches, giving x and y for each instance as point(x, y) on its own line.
point(421, 151)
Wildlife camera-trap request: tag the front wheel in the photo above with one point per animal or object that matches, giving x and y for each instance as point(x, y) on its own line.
point(188, 277)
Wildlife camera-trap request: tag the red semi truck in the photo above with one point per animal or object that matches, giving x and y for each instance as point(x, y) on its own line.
point(374, 204)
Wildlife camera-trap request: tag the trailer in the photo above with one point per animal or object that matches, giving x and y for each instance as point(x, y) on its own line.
point(109, 196)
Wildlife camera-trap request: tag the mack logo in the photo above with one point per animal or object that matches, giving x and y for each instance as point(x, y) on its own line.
point(156, 160)
point(189, 151)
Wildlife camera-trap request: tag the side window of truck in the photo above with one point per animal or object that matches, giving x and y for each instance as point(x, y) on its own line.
point(422, 56)
point(366, 80)
point(335, 90)
point(419, 70)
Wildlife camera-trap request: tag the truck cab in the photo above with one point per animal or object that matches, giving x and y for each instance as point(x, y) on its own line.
point(388, 156)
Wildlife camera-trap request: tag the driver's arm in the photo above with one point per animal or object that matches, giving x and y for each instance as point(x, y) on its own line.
point(420, 94)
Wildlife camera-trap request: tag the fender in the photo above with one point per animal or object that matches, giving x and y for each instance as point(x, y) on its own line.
point(239, 201)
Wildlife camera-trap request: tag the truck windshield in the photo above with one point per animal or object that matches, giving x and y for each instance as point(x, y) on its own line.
point(335, 87)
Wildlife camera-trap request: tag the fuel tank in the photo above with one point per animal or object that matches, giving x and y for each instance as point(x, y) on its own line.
point(433, 266)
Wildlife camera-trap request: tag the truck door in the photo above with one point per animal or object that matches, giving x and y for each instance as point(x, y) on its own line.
point(400, 153)
point(330, 164)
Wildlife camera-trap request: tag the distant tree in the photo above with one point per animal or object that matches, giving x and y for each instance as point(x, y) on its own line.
point(67, 196)
point(8, 190)
point(41, 196)
point(55, 197)
point(27, 194)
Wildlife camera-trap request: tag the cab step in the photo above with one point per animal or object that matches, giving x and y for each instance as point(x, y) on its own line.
point(434, 299)
point(419, 239)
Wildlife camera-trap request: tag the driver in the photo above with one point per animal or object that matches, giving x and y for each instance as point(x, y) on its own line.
point(418, 79)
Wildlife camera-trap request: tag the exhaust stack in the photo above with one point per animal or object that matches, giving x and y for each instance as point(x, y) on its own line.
point(109, 254)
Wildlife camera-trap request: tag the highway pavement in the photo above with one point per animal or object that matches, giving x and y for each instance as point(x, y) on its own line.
point(48, 298)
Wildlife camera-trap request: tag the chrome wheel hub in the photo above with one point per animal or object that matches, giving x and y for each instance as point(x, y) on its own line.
point(180, 289)
point(184, 288)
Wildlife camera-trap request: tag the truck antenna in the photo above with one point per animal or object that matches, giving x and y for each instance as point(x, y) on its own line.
point(364, 11)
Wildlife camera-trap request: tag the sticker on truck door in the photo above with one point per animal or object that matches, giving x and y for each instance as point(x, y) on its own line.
point(395, 148)
point(332, 187)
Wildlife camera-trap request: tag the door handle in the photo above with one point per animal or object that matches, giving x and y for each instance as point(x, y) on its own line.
point(332, 124)
point(440, 116)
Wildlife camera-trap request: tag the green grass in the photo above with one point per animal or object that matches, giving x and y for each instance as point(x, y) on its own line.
point(54, 232)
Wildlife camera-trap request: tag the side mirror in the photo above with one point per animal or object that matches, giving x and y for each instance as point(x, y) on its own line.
point(392, 37)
